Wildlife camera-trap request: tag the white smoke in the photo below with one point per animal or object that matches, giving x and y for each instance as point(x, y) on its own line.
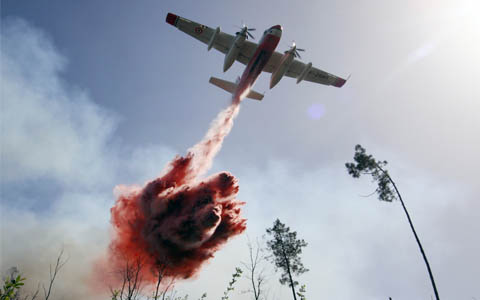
point(58, 165)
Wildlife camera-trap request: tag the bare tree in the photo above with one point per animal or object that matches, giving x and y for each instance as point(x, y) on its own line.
point(255, 269)
point(131, 279)
point(53, 273)
point(160, 273)
point(132, 283)
point(34, 295)
point(173, 293)
point(168, 287)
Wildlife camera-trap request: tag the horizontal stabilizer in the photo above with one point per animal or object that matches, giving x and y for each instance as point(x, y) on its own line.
point(231, 87)
point(223, 84)
point(255, 95)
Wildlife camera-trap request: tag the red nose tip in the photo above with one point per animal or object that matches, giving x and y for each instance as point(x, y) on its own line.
point(277, 27)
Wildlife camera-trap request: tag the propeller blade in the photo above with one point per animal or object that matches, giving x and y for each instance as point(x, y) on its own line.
point(244, 30)
point(243, 27)
point(296, 50)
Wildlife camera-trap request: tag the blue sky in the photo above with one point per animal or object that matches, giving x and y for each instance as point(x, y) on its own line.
point(98, 93)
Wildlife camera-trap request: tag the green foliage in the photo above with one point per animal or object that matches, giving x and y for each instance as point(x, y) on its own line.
point(301, 292)
point(366, 164)
point(286, 250)
point(11, 287)
point(204, 296)
point(235, 276)
point(115, 294)
point(177, 297)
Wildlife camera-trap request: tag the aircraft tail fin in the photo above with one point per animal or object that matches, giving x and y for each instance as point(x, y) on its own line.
point(231, 87)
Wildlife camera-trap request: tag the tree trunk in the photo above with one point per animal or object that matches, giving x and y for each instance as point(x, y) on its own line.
point(289, 273)
point(415, 234)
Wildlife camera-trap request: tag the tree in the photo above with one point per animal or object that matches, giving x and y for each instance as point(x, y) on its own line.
point(11, 287)
point(386, 190)
point(130, 274)
point(15, 281)
point(255, 272)
point(301, 292)
point(230, 287)
point(160, 272)
point(53, 273)
point(286, 250)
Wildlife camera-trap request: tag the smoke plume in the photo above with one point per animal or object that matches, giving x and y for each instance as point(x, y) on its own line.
point(176, 222)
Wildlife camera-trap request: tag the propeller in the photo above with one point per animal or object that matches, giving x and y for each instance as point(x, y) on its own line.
point(246, 31)
point(295, 50)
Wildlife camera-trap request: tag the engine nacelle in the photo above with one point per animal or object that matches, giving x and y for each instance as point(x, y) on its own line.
point(304, 72)
point(213, 38)
point(233, 52)
point(285, 63)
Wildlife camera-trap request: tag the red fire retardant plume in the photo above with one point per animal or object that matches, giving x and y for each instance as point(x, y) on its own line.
point(176, 222)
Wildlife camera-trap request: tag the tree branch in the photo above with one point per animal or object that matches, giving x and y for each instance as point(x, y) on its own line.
point(53, 274)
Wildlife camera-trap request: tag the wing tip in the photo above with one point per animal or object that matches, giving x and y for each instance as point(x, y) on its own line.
point(339, 82)
point(171, 19)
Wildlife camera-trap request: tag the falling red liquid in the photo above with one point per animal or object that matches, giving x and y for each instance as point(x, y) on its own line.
point(178, 221)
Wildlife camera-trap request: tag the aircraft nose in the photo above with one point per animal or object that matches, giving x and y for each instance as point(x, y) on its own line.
point(277, 27)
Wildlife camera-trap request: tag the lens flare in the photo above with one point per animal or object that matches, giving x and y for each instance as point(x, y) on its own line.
point(316, 111)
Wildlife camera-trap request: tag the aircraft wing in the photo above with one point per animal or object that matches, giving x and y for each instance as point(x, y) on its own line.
point(222, 42)
point(297, 67)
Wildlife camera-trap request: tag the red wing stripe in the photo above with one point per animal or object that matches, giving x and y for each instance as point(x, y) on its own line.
point(339, 82)
point(171, 19)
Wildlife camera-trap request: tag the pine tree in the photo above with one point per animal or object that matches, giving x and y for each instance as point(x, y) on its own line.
point(387, 190)
point(286, 250)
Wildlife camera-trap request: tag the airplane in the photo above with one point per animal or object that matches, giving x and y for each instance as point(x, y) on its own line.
point(257, 57)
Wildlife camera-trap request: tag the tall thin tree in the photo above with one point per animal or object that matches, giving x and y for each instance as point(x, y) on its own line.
point(365, 164)
point(255, 270)
point(286, 250)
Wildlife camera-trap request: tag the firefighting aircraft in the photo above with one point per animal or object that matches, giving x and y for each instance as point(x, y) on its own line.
point(257, 57)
